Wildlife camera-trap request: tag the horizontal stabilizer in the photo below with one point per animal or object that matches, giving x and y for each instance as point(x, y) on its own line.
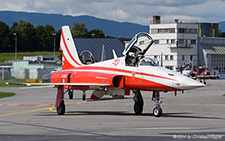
point(64, 84)
point(97, 94)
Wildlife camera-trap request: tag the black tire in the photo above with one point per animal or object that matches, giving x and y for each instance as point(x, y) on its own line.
point(138, 108)
point(83, 97)
point(61, 109)
point(70, 93)
point(157, 111)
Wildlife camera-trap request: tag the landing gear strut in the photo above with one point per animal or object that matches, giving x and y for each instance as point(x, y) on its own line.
point(138, 102)
point(70, 93)
point(84, 96)
point(60, 106)
point(157, 110)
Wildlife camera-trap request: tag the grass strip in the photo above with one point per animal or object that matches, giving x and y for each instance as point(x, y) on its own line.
point(6, 94)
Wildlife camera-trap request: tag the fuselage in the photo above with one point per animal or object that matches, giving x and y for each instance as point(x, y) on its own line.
point(117, 74)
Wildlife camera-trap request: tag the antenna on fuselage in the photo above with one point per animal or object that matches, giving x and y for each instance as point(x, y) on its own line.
point(114, 54)
point(103, 53)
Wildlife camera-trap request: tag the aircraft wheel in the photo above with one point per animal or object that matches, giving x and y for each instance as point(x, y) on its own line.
point(157, 111)
point(61, 109)
point(83, 97)
point(138, 108)
point(70, 93)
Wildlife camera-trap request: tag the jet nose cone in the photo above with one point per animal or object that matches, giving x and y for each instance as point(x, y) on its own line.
point(189, 83)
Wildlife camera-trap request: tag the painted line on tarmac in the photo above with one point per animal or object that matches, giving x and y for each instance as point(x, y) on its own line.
point(29, 105)
point(24, 112)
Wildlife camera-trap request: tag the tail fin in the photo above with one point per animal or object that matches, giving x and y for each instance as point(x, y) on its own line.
point(70, 56)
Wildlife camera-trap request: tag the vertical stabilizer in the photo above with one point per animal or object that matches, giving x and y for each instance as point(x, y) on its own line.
point(70, 56)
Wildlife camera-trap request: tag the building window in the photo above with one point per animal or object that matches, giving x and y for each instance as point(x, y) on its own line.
point(172, 41)
point(154, 31)
point(181, 41)
point(165, 30)
point(171, 57)
point(187, 30)
point(167, 41)
point(193, 42)
point(166, 57)
point(191, 57)
point(194, 31)
point(156, 41)
point(182, 57)
point(172, 30)
point(180, 30)
point(160, 31)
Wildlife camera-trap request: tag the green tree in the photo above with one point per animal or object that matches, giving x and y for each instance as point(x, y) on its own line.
point(44, 37)
point(58, 35)
point(29, 35)
point(96, 33)
point(49, 38)
point(40, 37)
point(26, 35)
point(4, 37)
point(79, 30)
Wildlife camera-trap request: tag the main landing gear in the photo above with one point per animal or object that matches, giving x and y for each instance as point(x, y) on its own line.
point(157, 110)
point(60, 105)
point(70, 93)
point(138, 102)
point(61, 109)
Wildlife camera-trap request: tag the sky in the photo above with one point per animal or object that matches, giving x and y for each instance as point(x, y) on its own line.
point(135, 11)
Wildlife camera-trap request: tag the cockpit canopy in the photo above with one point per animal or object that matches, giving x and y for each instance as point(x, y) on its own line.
point(137, 48)
point(139, 44)
point(147, 62)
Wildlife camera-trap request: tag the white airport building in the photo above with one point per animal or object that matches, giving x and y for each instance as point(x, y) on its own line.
point(176, 43)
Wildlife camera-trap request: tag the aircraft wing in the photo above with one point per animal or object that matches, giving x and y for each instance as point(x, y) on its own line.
point(65, 84)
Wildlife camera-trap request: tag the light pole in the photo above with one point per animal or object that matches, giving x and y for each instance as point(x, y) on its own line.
point(15, 46)
point(54, 41)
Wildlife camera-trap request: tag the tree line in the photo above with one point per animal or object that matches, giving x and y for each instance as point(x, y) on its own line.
point(40, 38)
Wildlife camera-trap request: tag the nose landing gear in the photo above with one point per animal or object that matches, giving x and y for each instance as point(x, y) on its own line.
point(157, 110)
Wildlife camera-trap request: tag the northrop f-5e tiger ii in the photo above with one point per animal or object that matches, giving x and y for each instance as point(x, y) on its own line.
point(134, 72)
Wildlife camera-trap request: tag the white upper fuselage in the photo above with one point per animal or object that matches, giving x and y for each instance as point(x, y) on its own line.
point(154, 74)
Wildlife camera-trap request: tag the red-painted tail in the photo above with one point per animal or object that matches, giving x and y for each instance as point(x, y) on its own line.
point(70, 56)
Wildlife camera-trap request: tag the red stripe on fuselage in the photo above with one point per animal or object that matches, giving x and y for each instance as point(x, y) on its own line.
point(121, 70)
point(68, 50)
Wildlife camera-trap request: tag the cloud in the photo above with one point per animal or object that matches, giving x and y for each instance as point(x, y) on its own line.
point(138, 11)
point(13, 5)
point(117, 14)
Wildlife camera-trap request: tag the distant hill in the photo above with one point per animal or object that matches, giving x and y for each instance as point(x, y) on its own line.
point(110, 28)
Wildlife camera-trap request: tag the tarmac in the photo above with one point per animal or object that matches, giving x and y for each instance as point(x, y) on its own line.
point(193, 115)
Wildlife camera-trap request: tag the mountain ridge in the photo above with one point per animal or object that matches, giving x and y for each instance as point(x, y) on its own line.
point(109, 27)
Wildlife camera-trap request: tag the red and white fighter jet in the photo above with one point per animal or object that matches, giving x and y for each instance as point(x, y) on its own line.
point(117, 77)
